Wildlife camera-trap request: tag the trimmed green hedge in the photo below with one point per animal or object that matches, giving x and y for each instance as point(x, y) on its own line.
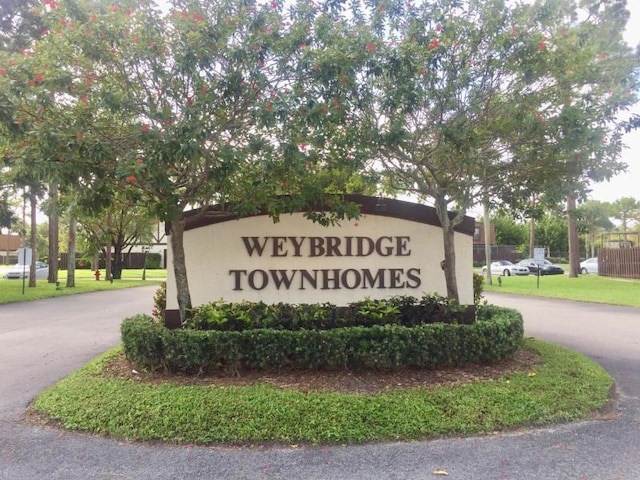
point(497, 334)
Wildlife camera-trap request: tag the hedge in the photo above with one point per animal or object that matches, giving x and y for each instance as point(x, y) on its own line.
point(497, 334)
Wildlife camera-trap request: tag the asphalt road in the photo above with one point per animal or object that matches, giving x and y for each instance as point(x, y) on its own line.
point(41, 342)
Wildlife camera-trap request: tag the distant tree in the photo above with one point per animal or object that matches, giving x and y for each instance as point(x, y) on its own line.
point(510, 231)
point(625, 209)
point(593, 217)
point(7, 215)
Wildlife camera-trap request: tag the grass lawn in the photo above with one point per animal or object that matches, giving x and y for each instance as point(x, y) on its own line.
point(11, 290)
point(585, 288)
point(564, 386)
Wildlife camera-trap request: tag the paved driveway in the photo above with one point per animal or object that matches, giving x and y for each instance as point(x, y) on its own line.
point(41, 342)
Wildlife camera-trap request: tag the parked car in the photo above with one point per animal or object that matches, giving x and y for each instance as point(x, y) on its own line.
point(22, 271)
point(590, 265)
point(547, 268)
point(506, 268)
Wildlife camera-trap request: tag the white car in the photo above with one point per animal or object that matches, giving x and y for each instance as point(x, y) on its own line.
point(506, 268)
point(590, 265)
point(22, 271)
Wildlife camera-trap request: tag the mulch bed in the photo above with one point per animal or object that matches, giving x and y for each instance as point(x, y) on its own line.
point(364, 382)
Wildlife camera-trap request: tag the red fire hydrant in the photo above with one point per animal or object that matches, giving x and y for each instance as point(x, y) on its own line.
point(97, 275)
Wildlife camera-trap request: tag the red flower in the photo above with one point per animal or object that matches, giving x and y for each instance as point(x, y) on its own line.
point(129, 11)
point(438, 28)
point(39, 77)
point(79, 136)
point(541, 45)
point(274, 5)
point(115, 8)
point(197, 17)
point(84, 99)
point(380, 8)
point(189, 100)
point(371, 47)
point(139, 161)
point(145, 128)
point(203, 90)
point(434, 44)
point(132, 179)
point(2, 71)
point(32, 82)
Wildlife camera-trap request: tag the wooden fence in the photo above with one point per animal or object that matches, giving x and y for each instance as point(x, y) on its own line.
point(619, 262)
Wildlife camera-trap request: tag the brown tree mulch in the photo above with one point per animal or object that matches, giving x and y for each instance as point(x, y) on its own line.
point(364, 382)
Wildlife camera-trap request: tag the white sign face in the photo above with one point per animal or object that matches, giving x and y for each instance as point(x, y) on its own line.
point(298, 261)
point(538, 255)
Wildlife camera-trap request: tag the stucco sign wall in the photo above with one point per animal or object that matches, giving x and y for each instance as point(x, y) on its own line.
point(393, 249)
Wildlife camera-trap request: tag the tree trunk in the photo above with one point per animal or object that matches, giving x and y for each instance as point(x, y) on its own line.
point(449, 262)
point(532, 237)
point(107, 257)
point(180, 267)
point(487, 239)
point(116, 269)
point(54, 229)
point(574, 242)
point(34, 237)
point(71, 251)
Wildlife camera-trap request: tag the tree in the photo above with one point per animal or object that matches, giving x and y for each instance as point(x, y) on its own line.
point(590, 72)
point(514, 101)
point(7, 215)
point(625, 209)
point(510, 231)
point(593, 217)
point(216, 102)
point(18, 24)
point(122, 225)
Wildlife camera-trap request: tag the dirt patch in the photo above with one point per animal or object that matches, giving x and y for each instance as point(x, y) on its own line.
point(367, 381)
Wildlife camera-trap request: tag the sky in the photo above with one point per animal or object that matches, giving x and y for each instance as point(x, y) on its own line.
point(626, 184)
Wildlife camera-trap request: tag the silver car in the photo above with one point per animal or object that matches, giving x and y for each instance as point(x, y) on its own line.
point(506, 268)
point(590, 265)
point(22, 271)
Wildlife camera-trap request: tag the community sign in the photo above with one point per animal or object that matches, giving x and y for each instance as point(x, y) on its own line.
point(394, 248)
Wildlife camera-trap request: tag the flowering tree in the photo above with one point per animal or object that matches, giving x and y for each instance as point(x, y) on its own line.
point(473, 100)
point(212, 102)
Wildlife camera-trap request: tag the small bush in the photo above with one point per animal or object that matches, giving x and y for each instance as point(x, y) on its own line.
point(152, 261)
point(498, 334)
point(160, 302)
point(478, 287)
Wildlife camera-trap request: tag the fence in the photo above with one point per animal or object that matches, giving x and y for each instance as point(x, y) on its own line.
point(619, 262)
point(498, 252)
point(129, 260)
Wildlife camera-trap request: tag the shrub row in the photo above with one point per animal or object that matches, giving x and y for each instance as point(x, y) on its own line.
point(406, 311)
point(150, 345)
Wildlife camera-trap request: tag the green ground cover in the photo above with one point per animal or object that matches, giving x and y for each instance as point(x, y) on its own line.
point(11, 290)
point(584, 288)
point(564, 386)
